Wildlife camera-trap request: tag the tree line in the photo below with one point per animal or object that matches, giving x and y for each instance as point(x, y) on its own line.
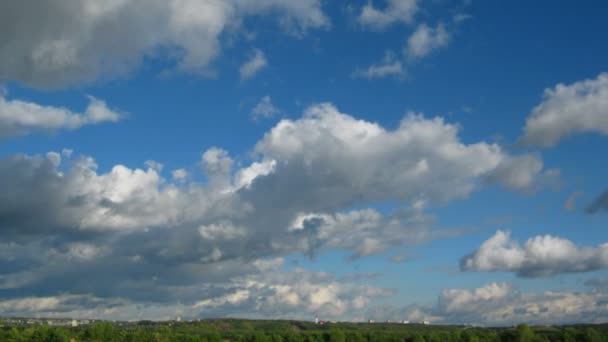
point(281, 332)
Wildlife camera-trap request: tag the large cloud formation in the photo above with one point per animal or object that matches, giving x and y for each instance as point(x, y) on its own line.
point(138, 238)
point(501, 304)
point(568, 109)
point(55, 43)
point(540, 256)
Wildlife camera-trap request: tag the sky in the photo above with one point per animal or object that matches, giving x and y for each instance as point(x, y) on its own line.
point(436, 160)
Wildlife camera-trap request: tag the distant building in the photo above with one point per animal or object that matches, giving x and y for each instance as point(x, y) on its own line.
point(426, 322)
point(74, 323)
point(405, 322)
point(316, 319)
point(371, 321)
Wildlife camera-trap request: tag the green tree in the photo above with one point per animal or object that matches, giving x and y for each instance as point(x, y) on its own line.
point(418, 338)
point(569, 335)
point(525, 333)
point(337, 335)
point(591, 335)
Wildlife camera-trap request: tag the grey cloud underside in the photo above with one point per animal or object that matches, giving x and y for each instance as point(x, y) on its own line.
point(139, 238)
point(55, 43)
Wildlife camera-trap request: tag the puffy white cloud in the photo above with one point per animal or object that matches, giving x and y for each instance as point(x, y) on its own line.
point(500, 304)
point(179, 175)
point(568, 109)
point(339, 162)
point(264, 109)
point(133, 233)
point(365, 232)
point(425, 40)
point(261, 291)
point(256, 63)
point(245, 176)
point(394, 12)
point(422, 160)
point(524, 173)
point(298, 294)
point(390, 66)
point(58, 43)
point(19, 117)
point(540, 256)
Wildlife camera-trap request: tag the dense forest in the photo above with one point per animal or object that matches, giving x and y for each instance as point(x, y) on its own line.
point(295, 331)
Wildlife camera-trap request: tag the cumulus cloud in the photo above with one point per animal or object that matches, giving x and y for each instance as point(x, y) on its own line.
point(179, 175)
point(19, 117)
point(569, 109)
point(540, 256)
point(256, 62)
point(134, 234)
point(356, 155)
point(281, 294)
point(524, 173)
point(500, 304)
point(54, 44)
point(273, 293)
point(264, 109)
point(424, 40)
point(395, 11)
point(598, 204)
point(390, 66)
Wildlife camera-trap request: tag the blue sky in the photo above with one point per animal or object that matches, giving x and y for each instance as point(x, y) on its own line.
point(395, 159)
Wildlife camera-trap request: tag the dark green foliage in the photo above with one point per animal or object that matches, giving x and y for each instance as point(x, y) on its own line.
point(232, 330)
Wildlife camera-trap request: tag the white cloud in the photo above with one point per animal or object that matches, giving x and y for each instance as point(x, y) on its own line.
point(264, 109)
point(524, 173)
point(363, 160)
point(425, 40)
point(21, 117)
point(54, 44)
point(245, 176)
point(256, 63)
point(365, 232)
point(500, 304)
point(179, 175)
point(222, 231)
point(540, 256)
point(396, 11)
point(389, 66)
point(297, 294)
point(181, 240)
point(568, 109)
